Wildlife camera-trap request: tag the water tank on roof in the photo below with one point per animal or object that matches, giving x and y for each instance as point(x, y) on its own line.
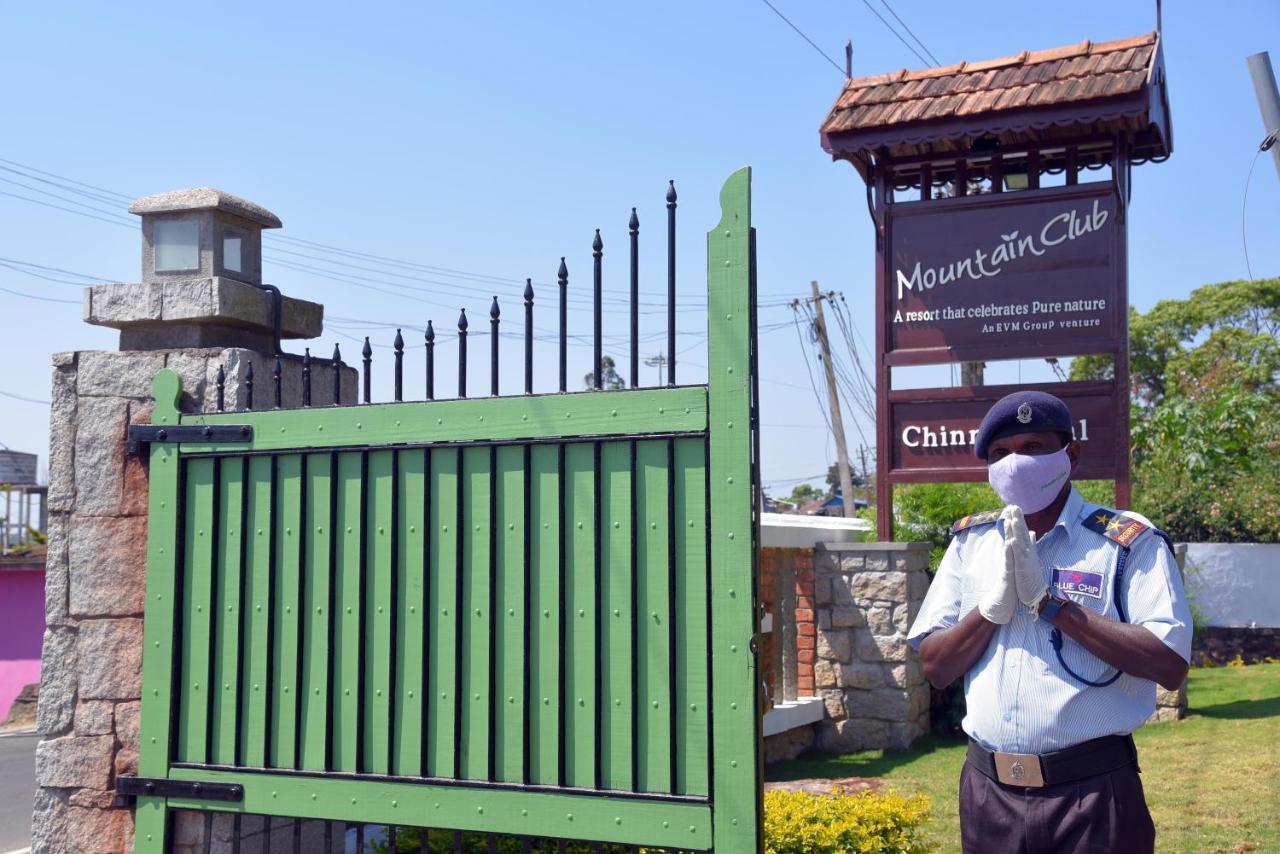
point(17, 468)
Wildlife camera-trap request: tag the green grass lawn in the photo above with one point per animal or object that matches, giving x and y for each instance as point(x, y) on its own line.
point(1212, 779)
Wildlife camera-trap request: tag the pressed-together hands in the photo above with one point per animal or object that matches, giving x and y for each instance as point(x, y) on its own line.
point(1020, 579)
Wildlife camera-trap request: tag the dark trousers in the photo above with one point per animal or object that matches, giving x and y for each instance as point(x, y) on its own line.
point(1105, 813)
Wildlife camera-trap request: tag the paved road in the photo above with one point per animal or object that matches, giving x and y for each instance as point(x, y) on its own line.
point(17, 788)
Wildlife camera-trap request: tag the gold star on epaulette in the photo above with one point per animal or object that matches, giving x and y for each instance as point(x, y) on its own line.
point(1117, 522)
point(1102, 519)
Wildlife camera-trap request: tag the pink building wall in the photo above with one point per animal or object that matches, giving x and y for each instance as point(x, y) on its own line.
point(21, 631)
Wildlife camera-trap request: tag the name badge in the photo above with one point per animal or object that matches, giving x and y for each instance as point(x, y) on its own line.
point(1079, 581)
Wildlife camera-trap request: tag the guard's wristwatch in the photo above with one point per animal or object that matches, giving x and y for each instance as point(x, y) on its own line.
point(1050, 607)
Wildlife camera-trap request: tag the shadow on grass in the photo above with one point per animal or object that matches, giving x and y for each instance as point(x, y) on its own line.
point(1268, 707)
point(867, 763)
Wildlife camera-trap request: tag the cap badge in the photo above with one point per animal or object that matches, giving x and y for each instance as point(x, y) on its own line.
point(1024, 413)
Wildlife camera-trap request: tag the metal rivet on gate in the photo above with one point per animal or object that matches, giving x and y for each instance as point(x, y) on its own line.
point(662, 410)
point(477, 612)
point(693, 829)
point(376, 693)
point(524, 812)
point(616, 612)
point(481, 417)
point(444, 611)
point(546, 701)
point(581, 702)
point(317, 691)
point(353, 800)
point(730, 425)
point(617, 702)
point(413, 609)
point(444, 695)
point(439, 421)
point(288, 609)
point(511, 612)
point(319, 610)
point(579, 525)
point(569, 816)
point(729, 369)
point(653, 614)
point(397, 423)
point(617, 524)
point(255, 686)
point(733, 763)
point(581, 613)
point(546, 613)
point(733, 647)
point(726, 263)
point(666, 824)
point(347, 692)
point(199, 608)
point(653, 526)
point(157, 644)
point(288, 532)
point(274, 794)
point(618, 820)
point(477, 527)
point(286, 689)
point(281, 429)
point(732, 593)
point(348, 608)
point(200, 533)
point(511, 699)
point(731, 535)
point(477, 696)
point(230, 608)
point(690, 523)
point(614, 413)
point(313, 796)
point(395, 804)
point(410, 695)
point(226, 686)
point(444, 528)
point(568, 415)
point(319, 529)
point(734, 822)
point(379, 609)
point(413, 529)
point(693, 707)
point(511, 526)
point(320, 428)
point(260, 531)
point(655, 704)
point(728, 480)
point(155, 694)
point(359, 426)
point(381, 530)
point(733, 706)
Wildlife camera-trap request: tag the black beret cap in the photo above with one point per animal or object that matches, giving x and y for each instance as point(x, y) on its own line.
point(1022, 412)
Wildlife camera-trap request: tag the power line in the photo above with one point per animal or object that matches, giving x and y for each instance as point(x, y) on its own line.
point(800, 33)
point(42, 299)
point(896, 34)
point(10, 394)
point(897, 18)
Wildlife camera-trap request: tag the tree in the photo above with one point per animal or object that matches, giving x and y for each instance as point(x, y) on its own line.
point(609, 370)
point(805, 492)
point(1205, 387)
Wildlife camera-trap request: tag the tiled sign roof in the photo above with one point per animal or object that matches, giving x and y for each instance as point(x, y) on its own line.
point(1077, 84)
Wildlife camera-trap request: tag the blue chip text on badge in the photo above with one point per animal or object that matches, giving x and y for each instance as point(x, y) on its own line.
point(1078, 581)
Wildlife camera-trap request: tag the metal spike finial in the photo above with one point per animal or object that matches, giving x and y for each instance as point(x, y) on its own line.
point(563, 282)
point(462, 321)
point(634, 222)
point(367, 353)
point(431, 361)
point(337, 375)
point(671, 193)
point(528, 336)
point(563, 273)
point(462, 354)
point(528, 290)
point(597, 244)
point(306, 377)
point(277, 373)
point(398, 346)
point(597, 287)
point(494, 313)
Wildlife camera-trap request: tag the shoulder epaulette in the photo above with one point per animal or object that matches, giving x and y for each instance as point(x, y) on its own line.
point(975, 519)
point(1115, 526)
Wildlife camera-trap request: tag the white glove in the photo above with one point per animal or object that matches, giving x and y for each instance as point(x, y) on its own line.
point(998, 600)
point(1020, 549)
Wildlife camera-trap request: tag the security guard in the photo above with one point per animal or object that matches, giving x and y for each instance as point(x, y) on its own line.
point(1062, 616)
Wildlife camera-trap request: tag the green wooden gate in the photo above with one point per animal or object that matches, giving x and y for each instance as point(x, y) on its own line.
point(528, 615)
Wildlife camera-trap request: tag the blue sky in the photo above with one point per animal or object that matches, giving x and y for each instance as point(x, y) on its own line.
point(493, 138)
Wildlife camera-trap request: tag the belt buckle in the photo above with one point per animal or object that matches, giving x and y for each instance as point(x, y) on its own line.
point(1019, 769)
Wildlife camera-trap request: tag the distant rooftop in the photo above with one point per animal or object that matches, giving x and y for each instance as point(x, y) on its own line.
point(1083, 89)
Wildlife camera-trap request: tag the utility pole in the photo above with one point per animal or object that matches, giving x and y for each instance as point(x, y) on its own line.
point(833, 399)
point(659, 361)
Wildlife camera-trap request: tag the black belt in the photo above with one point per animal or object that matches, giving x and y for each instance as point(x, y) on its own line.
point(1087, 759)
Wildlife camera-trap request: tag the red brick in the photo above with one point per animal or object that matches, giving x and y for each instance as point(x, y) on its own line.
point(805, 656)
point(806, 642)
point(804, 602)
point(806, 630)
point(804, 615)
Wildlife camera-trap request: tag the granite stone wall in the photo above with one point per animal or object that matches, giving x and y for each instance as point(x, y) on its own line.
point(871, 681)
point(88, 712)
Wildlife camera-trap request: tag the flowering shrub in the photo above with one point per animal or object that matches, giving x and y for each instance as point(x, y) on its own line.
point(868, 823)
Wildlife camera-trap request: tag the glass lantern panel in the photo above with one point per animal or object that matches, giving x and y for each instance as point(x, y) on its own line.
point(177, 243)
point(231, 254)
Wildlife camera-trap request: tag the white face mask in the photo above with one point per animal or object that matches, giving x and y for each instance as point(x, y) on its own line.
point(1030, 482)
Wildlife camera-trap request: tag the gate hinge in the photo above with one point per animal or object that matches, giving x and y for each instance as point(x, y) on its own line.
point(141, 435)
point(129, 787)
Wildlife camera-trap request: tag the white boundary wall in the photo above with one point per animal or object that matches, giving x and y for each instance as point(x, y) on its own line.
point(1234, 584)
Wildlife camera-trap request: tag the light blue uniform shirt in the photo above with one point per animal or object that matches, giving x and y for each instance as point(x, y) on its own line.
point(1019, 698)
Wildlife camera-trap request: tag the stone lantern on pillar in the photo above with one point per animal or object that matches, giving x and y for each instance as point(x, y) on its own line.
point(201, 279)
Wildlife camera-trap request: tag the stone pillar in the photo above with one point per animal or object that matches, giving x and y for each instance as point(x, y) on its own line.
point(88, 712)
point(872, 682)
